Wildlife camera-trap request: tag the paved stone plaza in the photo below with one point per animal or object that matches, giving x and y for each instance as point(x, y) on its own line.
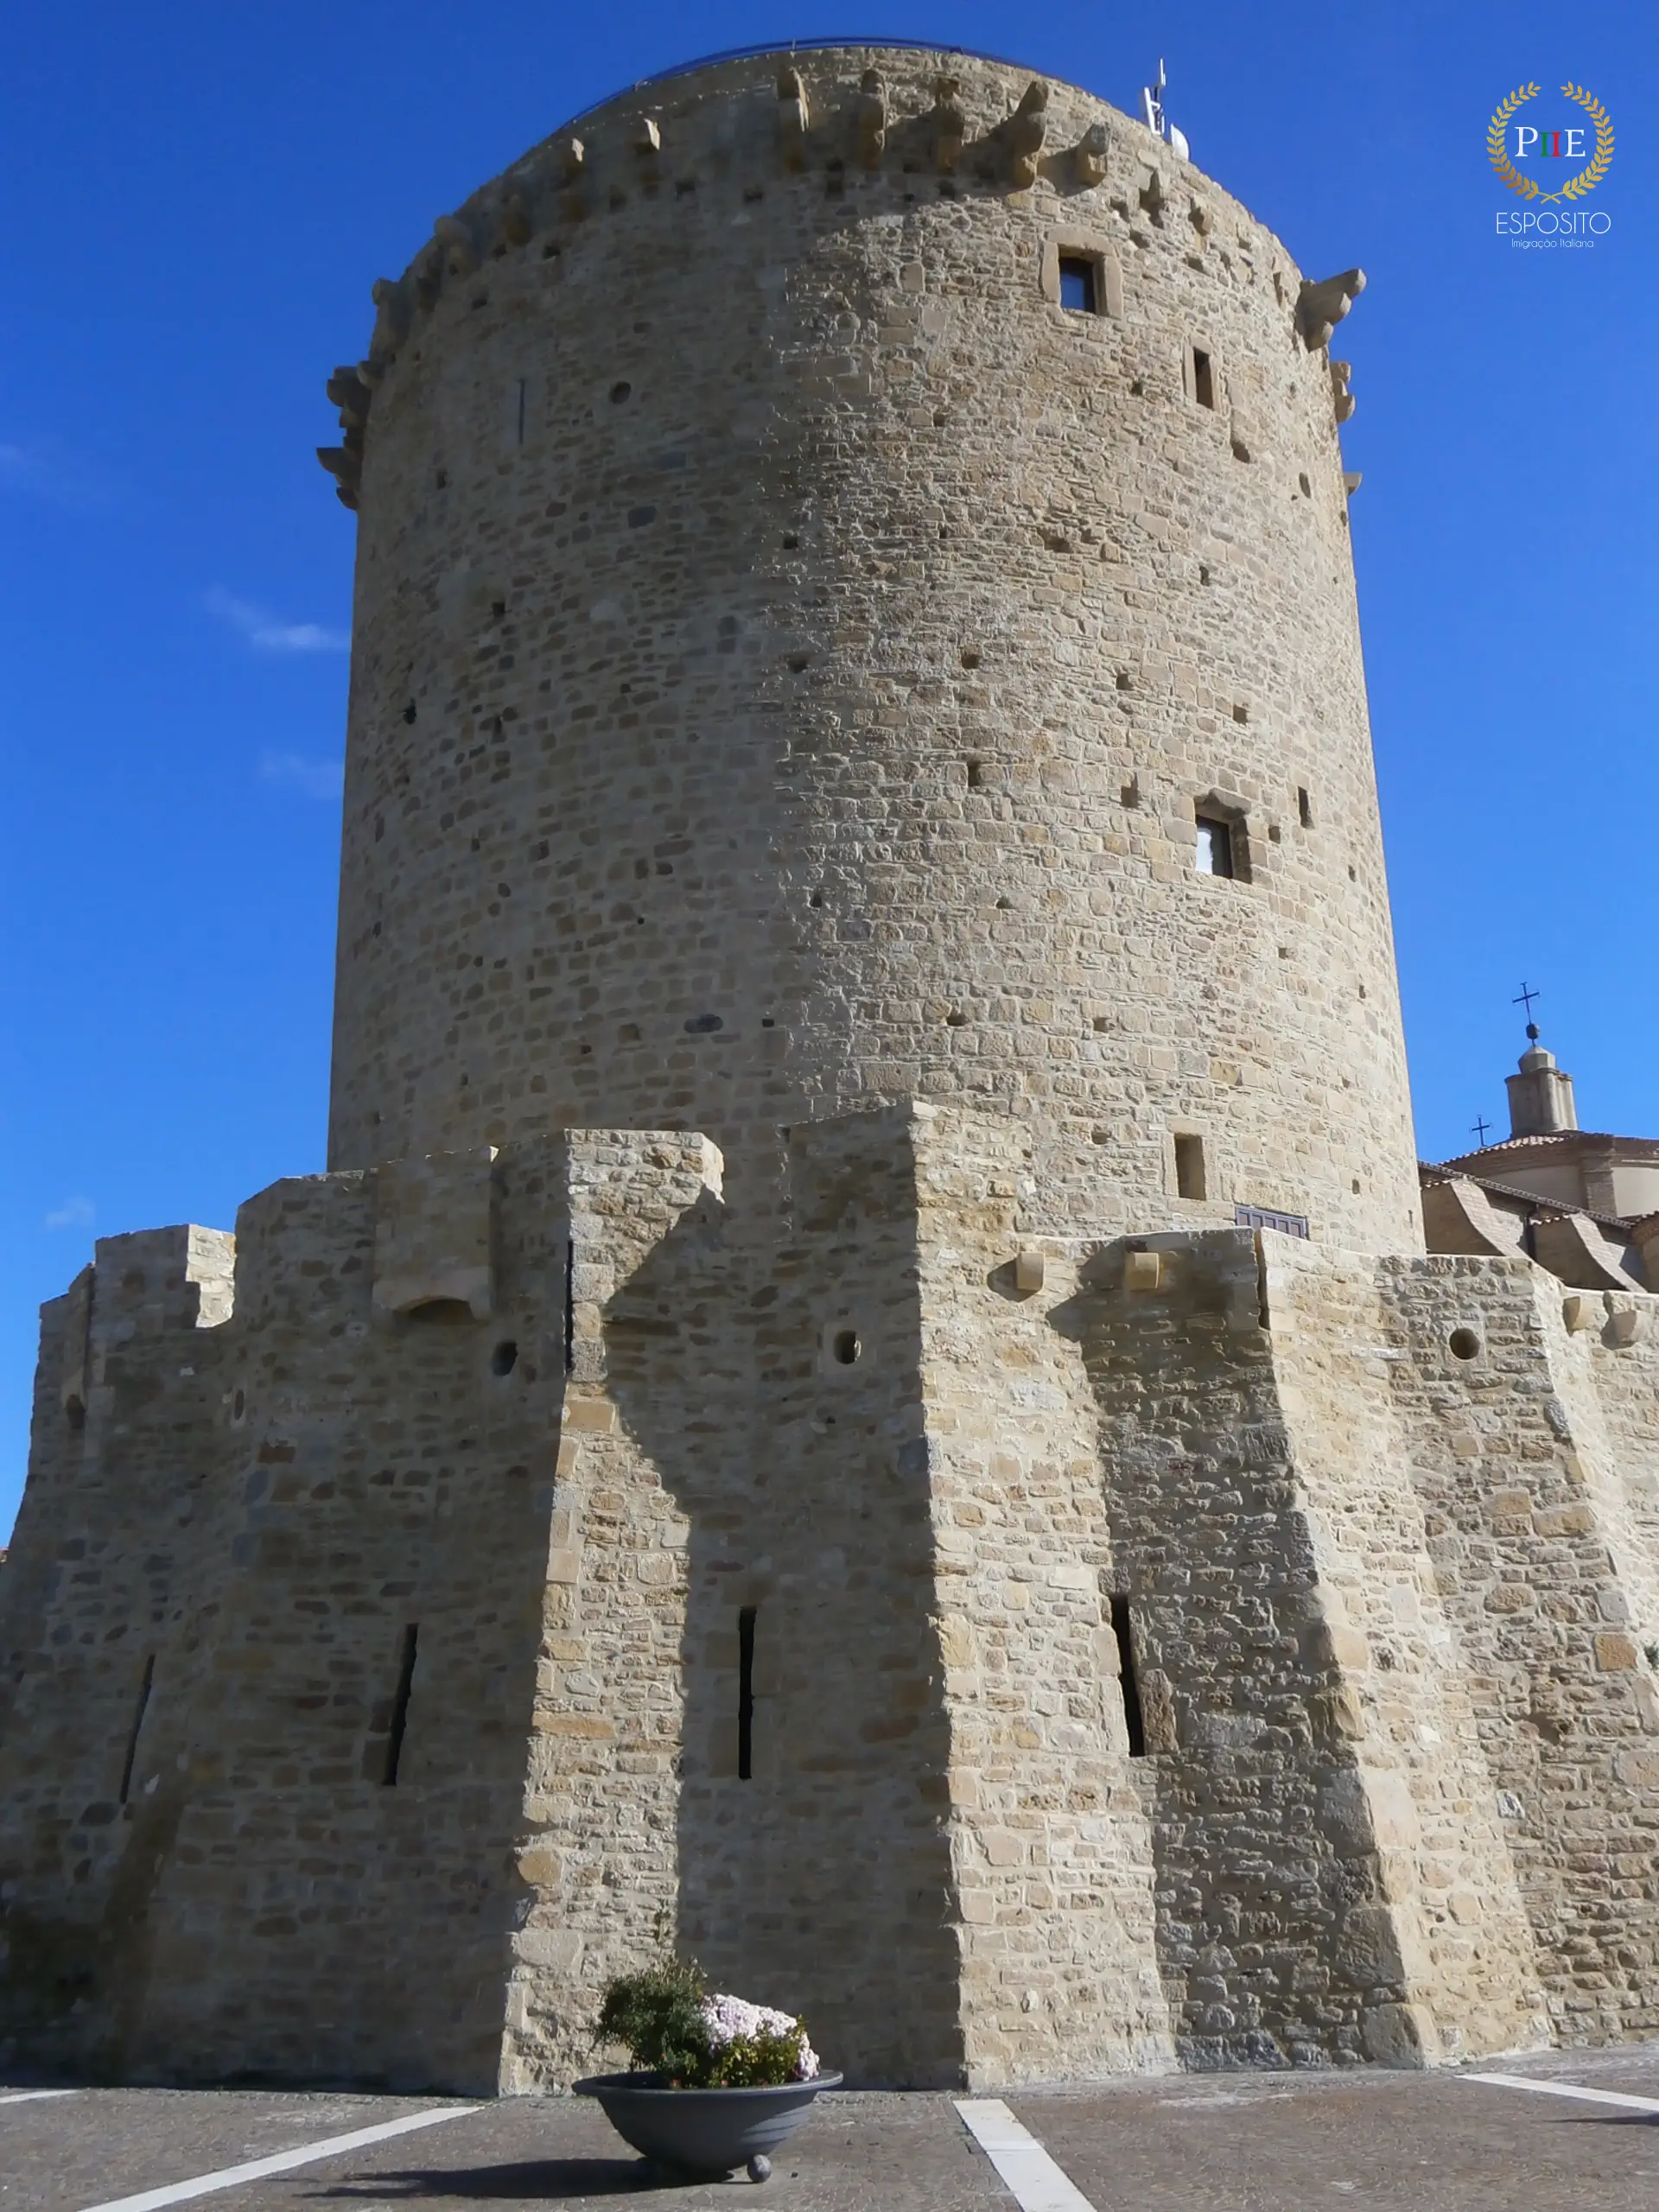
point(1379, 2142)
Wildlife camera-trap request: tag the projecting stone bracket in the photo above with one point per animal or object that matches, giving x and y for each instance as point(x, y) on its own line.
point(1089, 158)
point(949, 124)
point(870, 119)
point(1023, 132)
point(1321, 307)
point(794, 118)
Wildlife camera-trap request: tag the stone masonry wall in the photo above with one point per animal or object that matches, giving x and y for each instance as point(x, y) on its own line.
point(1305, 1824)
point(1535, 1553)
point(790, 649)
point(375, 1646)
point(268, 1518)
point(1050, 1817)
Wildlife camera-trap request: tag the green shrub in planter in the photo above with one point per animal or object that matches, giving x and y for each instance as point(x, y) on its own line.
point(671, 2024)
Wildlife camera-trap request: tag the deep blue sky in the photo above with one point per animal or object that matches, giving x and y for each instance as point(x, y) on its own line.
point(197, 198)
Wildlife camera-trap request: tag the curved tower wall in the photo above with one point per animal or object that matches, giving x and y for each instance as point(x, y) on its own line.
point(791, 647)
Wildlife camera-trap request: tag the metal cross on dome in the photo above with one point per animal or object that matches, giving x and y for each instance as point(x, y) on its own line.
point(1526, 998)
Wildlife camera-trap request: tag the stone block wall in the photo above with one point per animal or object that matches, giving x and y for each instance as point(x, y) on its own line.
point(1030, 1657)
point(1546, 1574)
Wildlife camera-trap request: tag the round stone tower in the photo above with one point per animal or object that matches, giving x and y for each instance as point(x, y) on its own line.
point(854, 598)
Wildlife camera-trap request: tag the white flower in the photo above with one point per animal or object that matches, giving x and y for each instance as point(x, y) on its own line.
point(729, 2017)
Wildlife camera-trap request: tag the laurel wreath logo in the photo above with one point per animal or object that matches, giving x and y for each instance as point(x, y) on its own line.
point(1588, 178)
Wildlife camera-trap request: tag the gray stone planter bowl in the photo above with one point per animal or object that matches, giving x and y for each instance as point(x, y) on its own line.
point(704, 2131)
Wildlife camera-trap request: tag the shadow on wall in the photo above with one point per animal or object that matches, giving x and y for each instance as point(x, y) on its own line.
point(776, 1391)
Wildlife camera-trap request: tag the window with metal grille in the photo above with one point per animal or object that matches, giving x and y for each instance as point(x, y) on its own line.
point(1287, 1224)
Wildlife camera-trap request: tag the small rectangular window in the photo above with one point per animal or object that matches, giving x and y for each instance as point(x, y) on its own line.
point(1304, 808)
point(1215, 846)
point(745, 1693)
point(1078, 284)
point(1189, 1179)
point(1203, 379)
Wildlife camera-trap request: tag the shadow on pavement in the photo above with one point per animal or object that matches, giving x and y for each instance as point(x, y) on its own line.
point(552, 2181)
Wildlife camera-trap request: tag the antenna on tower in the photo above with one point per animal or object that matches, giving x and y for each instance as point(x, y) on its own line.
point(1153, 116)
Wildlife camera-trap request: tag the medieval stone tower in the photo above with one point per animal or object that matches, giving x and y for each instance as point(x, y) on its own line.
point(822, 551)
point(863, 1393)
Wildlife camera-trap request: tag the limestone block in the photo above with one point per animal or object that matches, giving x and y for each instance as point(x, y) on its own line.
point(433, 1232)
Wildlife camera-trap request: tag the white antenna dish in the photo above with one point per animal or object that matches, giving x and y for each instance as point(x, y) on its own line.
point(1178, 142)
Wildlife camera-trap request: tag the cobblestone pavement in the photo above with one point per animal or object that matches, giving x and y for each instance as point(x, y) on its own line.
point(1375, 2142)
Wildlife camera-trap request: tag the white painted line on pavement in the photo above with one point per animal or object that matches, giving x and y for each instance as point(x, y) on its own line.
point(1036, 2182)
point(28, 2096)
point(1564, 2089)
point(150, 2200)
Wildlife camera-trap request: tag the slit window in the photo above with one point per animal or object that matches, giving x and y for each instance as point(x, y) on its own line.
point(1189, 1179)
point(1215, 848)
point(400, 1705)
point(1079, 284)
point(745, 1693)
point(145, 1687)
point(1204, 378)
point(1303, 807)
point(1128, 1681)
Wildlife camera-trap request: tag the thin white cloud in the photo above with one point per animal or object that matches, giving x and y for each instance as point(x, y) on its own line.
point(77, 1212)
point(41, 469)
point(316, 778)
point(267, 635)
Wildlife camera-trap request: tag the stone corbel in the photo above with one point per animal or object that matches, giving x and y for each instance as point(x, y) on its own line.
point(1023, 132)
point(460, 256)
point(870, 119)
point(1151, 196)
point(793, 118)
point(514, 222)
point(1320, 307)
point(347, 390)
point(572, 156)
point(1089, 159)
point(1342, 398)
point(391, 324)
point(647, 139)
point(426, 276)
point(949, 124)
point(346, 466)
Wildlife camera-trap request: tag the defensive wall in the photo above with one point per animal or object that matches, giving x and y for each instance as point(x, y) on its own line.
point(374, 1665)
